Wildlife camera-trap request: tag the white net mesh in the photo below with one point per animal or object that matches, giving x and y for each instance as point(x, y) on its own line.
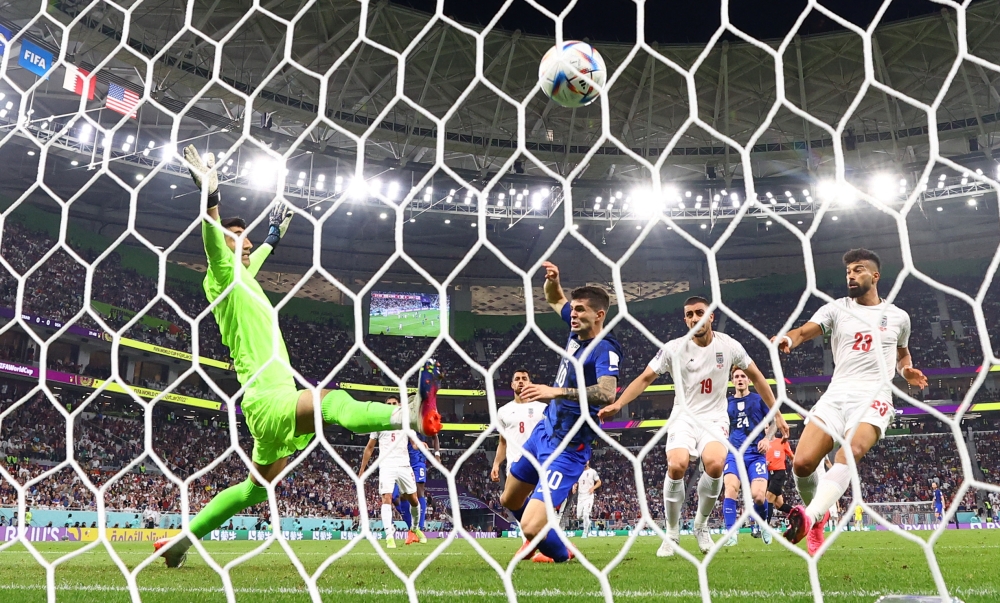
point(66, 30)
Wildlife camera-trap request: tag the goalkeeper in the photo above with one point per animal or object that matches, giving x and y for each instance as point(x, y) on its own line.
point(280, 417)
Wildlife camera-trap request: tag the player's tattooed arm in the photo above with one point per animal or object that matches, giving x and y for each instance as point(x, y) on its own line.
point(603, 393)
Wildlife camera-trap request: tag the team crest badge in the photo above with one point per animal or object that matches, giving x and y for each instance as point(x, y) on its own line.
point(719, 360)
point(740, 406)
point(884, 324)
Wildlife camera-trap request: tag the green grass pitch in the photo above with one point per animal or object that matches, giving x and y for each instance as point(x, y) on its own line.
point(859, 567)
point(418, 326)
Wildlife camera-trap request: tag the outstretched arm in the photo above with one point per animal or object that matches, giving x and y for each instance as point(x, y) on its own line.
point(904, 364)
point(633, 391)
point(553, 290)
point(602, 393)
point(797, 337)
point(221, 259)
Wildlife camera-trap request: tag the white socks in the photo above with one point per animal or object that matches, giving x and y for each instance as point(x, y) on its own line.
point(807, 485)
point(390, 530)
point(414, 516)
point(673, 499)
point(831, 487)
point(586, 526)
point(708, 494)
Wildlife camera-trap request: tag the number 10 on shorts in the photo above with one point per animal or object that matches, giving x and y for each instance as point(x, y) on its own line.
point(553, 479)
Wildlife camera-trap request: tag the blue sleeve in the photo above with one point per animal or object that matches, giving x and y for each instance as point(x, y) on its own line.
point(606, 362)
point(565, 312)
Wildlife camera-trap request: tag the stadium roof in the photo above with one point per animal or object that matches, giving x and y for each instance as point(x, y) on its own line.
point(735, 87)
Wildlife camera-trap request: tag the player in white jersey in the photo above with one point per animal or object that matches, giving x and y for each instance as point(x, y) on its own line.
point(394, 469)
point(151, 516)
point(515, 422)
point(585, 488)
point(858, 404)
point(698, 426)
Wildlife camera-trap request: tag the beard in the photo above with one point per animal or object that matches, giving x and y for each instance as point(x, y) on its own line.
point(858, 291)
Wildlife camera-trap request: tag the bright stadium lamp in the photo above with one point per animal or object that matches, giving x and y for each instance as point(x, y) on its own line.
point(882, 187)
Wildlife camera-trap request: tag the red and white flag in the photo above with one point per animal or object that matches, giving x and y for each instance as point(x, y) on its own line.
point(76, 81)
point(121, 100)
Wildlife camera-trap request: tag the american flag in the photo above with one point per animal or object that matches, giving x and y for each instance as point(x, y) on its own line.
point(121, 100)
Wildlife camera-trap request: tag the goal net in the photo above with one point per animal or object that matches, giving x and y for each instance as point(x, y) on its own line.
point(371, 120)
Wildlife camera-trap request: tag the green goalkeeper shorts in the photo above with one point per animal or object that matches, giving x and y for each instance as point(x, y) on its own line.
point(270, 416)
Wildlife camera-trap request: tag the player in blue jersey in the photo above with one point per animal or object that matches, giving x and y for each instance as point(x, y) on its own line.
point(523, 493)
point(938, 502)
point(417, 448)
point(746, 411)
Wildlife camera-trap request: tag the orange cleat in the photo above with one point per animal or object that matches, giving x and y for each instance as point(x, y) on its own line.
point(411, 538)
point(524, 546)
point(538, 557)
point(816, 538)
point(176, 555)
point(423, 409)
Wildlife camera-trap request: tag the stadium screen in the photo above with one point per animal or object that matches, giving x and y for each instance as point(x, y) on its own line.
point(408, 314)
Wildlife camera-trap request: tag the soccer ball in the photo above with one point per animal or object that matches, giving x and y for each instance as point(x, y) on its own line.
point(562, 84)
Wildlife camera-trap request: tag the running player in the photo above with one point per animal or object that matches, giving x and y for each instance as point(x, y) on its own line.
point(857, 405)
point(938, 502)
point(418, 450)
point(585, 487)
point(515, 422)
point(394, 470)
point(746, 411)
point(281, 418)
point(699, 426)
point(777, 453)
point(523, 495)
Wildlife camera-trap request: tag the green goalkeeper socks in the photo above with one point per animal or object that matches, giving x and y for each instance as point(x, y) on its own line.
point(360, 417)
point(227, 503)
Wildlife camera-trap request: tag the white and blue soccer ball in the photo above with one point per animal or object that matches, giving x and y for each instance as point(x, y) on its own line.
point(562, 84)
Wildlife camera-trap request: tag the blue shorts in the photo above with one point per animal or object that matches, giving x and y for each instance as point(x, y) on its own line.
point(395, 492)
point(755, 463)
point(564, 471)
point(420, 473)
point(939, 509)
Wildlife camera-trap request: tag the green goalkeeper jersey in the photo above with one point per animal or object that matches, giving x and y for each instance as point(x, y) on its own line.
point(245, 315)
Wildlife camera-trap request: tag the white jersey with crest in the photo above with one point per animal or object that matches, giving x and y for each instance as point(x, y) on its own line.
point(704, 374)
point(392, 449)
point(587, 480)
point(516, 421)
point(852, 329)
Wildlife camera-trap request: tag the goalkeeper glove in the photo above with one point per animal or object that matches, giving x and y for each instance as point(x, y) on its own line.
point(280, 218)
point(202, 170)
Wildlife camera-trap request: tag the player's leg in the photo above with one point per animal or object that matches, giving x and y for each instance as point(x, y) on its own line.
point(386, 512)
point(814, 444)
point(421, 474)
point(564, 471)
point(223, 506)
point(836, 481)
point(339, 408)
point(713, 457)
point(731, 483)
point(406, 481)
point(758, 491)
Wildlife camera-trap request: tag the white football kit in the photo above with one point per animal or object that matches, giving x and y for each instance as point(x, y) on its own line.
point(395, 463)
point(704, 375)
point(860, 392)
point(515, 422)
point(584, 497)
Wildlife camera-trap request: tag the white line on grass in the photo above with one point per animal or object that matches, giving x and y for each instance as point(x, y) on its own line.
point(548, 592)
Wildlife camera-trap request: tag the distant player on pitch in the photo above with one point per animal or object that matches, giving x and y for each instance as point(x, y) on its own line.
point(394, 470)
point(699, 426)
point(585, 487)
point(938, 502)
point(584, 311)
point(746, 411)
point(858, 404)
point(418, 451)
point(515, 422)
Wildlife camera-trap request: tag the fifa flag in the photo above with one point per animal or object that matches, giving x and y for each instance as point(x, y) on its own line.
point(121, 100)
point(76, 81)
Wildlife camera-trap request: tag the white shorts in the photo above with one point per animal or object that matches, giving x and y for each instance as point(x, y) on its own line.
point(684, 432)
point(584, 506)
point(390, 476)
point(842, 414)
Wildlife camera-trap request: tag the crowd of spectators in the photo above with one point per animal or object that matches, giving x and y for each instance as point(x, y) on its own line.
point(55, 290)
